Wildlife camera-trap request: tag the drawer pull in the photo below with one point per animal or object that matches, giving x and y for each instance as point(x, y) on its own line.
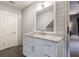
point(47, 45)
point(32, 48)
point(47, 55)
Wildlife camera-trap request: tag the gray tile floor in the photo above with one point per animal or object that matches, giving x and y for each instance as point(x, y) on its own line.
point(12, 52)
point(74, 48)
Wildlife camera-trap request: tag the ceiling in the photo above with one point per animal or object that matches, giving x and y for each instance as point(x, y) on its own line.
point(16, 4)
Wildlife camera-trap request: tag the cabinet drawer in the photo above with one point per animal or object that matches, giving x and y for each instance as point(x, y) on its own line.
point(25, 41)
point(33, 39)
point(49, 48)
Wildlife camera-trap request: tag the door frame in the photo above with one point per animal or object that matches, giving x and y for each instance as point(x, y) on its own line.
point(1, 17)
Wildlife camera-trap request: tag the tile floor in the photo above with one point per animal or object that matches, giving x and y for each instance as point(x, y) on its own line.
point(12, 52)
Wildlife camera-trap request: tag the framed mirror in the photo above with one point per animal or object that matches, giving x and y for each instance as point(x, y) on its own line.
point(45, 19)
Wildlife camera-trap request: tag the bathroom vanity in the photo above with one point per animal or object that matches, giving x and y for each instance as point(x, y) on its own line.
point(38, 45)
point(47, 39)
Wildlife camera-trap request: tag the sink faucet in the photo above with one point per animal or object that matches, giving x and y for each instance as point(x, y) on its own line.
point(43, 31)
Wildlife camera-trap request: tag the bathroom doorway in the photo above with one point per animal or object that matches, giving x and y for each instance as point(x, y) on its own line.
point(74, 29)
point(74, 38)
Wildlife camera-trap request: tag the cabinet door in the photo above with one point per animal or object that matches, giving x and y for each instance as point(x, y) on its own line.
point(37, 50)
point(27, 49)
point(49, 48)
point(31, 49)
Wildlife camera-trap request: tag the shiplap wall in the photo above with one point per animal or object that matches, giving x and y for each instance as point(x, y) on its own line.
point(62, 22)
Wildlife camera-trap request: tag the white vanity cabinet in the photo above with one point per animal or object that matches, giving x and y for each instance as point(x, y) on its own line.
point(38, 47)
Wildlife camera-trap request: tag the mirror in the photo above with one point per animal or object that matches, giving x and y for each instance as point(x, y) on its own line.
point(45, 19)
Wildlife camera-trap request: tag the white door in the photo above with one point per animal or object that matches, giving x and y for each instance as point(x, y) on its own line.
point(9, 29)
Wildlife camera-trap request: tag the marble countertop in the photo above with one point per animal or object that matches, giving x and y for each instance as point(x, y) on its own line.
point(46, 36)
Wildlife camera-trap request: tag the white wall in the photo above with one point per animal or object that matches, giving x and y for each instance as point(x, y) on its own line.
point(18, 12)
point(29, 17)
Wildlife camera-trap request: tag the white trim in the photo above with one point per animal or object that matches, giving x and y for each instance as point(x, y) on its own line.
point(0, 29)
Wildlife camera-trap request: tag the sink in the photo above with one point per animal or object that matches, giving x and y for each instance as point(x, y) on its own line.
point(45, 36)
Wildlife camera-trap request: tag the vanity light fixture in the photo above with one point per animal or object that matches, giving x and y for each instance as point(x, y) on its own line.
point(46, 3)
point(12, 2)
point(42, 6)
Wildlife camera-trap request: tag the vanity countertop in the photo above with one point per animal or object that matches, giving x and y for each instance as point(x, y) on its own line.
point(47, 37)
